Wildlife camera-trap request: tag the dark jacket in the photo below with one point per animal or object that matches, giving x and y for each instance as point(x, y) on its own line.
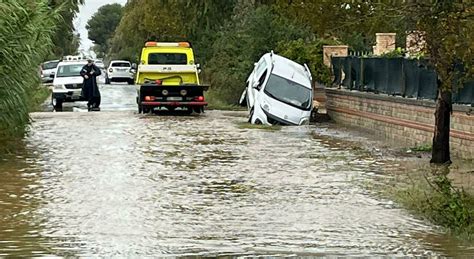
point(90, 88)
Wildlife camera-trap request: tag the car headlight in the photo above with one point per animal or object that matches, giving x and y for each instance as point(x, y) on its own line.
point(59, 87)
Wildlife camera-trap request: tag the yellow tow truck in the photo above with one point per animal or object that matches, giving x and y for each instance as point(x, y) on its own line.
point(168, 77)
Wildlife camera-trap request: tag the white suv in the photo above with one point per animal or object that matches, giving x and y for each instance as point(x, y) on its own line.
point(119, 71)
point(279, 91)
point(48, 69)
point(67, 83)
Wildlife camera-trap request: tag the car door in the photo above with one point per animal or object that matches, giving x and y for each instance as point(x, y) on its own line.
point(253, 86)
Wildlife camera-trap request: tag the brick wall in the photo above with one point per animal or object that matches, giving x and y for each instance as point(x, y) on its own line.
point(408, 122)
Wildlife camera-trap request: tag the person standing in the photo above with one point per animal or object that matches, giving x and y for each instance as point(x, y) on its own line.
point(90, 89)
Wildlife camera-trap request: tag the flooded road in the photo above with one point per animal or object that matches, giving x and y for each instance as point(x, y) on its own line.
point(116, 183)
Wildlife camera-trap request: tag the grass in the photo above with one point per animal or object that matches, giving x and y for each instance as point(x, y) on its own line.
point(432, 196)
point(422, 148)
point(216, 102)
point(39, 97)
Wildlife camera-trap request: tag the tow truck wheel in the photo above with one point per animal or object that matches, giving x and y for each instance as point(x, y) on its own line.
point(188, 110)
point(197, 109)
point(146, 110)
point(140, 109)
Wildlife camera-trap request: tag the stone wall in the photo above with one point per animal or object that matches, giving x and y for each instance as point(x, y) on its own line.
point(334, 51)
point(407, 122)
point(385, 43)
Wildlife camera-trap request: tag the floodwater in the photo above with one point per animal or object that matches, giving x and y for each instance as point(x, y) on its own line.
point(116, 183)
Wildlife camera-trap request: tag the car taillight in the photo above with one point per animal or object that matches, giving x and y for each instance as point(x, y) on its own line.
point(200, 98)
point(158, 82)
point(150, 98)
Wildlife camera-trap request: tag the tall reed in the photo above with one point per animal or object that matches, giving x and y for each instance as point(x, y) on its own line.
point(26, 28)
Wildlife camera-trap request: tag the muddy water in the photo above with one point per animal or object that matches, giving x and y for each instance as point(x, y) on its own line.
point(115, 183)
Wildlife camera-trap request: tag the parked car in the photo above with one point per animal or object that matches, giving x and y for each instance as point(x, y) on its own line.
point(67, 84)
point(278, 92)
point(119, 71)
point(100, 64)
point(48, 69)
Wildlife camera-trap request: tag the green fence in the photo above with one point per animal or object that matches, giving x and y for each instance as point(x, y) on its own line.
point(394, 76)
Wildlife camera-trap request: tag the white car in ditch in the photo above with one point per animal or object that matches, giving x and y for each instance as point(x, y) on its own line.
point(279, 92)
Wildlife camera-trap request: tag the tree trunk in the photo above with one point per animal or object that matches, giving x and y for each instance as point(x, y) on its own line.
point(440, 152)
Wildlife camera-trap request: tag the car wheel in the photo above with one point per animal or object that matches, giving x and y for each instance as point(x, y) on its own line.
point(250, 116)
point(130, 82)
point(107, 81)
point(57, 104)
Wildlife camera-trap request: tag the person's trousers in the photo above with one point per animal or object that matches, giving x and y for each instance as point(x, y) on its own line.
point(94, 102)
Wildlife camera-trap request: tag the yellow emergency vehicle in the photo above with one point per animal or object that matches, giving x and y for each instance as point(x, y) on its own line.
point(168, 77)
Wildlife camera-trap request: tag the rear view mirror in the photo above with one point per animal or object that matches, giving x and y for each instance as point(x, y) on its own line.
point(134, 66)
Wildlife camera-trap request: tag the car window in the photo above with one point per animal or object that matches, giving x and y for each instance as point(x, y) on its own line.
point(167, 59)
point(120, 64)
point(289, 92)
point(261, 66)
point(261, 80)
point(50, 65)
point(69, 70)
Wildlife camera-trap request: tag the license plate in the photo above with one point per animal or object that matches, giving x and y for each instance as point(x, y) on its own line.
point(174, 98)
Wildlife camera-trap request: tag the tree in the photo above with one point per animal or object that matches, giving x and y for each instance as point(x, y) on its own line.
point(65, 40)
point(352, 22)
point(447, 28)
point(102, 25)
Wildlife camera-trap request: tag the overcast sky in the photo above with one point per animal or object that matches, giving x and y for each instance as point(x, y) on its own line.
point(85, 13)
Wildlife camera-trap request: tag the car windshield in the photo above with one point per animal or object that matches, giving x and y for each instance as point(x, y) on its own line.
point(120, 64)
point(167, 59)
point(288, 92)
point(50, 65)
point(69, 70)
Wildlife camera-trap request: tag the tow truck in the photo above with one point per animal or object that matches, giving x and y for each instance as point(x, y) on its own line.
point(168, 77)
